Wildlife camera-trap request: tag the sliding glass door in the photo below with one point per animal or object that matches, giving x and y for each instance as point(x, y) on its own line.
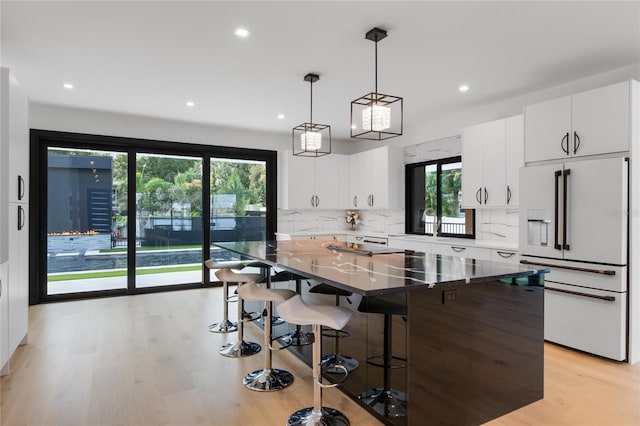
point(122, 216)
point(168, 220)
point(238, 203)
point(86, 199)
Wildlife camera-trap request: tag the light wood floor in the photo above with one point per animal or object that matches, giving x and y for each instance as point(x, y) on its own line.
point(149, 360)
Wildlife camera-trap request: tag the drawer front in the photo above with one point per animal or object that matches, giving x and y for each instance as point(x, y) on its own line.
point(574, 317)
point(420, 246)
point(505, 256)
point(462, 251)
point(609, 278)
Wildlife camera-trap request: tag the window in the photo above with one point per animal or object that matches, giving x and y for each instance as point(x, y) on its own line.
point(434, 197)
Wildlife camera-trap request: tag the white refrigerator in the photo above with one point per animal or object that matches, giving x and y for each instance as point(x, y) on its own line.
point(573, 219)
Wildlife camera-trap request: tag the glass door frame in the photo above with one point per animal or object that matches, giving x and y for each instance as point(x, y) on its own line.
point(41, 140)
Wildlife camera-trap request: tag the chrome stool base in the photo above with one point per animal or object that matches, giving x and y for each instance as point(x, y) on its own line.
point(223, 327)
point(331, 363)
point(267, 380)
point(239, 349)
point(297, 338)
point(326, 417)
point(388, 403)
point(250, 316)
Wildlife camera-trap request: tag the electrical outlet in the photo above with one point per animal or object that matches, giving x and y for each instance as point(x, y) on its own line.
point(449, 296)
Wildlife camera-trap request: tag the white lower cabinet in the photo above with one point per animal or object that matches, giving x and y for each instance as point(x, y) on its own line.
point(505, 256)
point(471, 252)
point(406, 244)
point(4, 317)
point(18, 288)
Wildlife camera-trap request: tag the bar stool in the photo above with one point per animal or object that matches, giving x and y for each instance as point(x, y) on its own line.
point(295, 311)
point(331, 362)
point(268, 378)
point(298, 337)
point(386, 401)
point(240, 348)
point(224, 326)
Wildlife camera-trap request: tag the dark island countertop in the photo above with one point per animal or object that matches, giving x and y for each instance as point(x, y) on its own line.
point(373, 270)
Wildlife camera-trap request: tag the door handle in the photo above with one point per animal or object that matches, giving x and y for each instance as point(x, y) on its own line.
point(317, 200)
point(355, 201)
point(610, 272)
point(458, 249)
point(565, 138)
point(578, 293)
point(508, 194)
point(486, 195)
point(576, 142)
point(20, 218)
point(478, 193)
point(20, 187)
point(312, 201)
point(566, 173)
point(556, 243)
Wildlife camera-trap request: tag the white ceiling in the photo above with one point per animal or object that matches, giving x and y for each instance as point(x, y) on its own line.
point(149, 58)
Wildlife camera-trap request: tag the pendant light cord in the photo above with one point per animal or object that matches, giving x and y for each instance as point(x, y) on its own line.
point(376, 71)
point(311, 104)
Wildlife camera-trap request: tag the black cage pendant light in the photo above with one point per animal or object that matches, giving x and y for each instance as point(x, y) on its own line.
point(311, 139)
point(376, 116)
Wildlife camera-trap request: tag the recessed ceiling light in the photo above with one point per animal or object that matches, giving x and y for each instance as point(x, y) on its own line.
point(280, 116)
point(242, 32)
point(190, 103)
point(68, 86)
point(463, 88)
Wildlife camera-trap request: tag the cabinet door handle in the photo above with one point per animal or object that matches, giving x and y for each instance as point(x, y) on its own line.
point(576, 142)
point(311, 200)
point(478, 194)
point(355, 201)
point(317, 200)
point(20, 187)
point(20, 218)
point(565, 138)
point(372, 202)
point(458, 249)
point(505, 254)
point(508, 194)
point(486, 195)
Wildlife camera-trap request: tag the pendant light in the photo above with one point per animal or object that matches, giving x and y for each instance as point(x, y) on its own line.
point(311, 139)
point(376, 116)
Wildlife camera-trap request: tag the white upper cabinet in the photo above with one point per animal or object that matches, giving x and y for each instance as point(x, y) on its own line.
point(320, 182)
point(472, 166)
point(514, 158)
point(490, 160)
point(375, 179)
point(588, 123)
point(18, 143)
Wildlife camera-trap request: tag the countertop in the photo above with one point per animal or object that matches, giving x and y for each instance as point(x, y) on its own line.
point(377, 273)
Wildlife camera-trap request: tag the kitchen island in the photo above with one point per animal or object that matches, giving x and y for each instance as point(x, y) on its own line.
point(468, 333)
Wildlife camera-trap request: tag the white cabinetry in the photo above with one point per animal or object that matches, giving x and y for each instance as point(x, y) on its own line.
point(588, 123)
point(375, 179)
point(14, 171)
point(491, 155)
point(459, 250)
point(320, 182)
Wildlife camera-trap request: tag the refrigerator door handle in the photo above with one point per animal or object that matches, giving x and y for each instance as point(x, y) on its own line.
point(610, 272)
point(578, 293)
point(565, 187)
point(556, 243)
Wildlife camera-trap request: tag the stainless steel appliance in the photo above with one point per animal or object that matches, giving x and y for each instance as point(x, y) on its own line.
point(573, 219)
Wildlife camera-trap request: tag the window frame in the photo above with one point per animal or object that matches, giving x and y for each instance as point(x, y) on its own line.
point(411, 186)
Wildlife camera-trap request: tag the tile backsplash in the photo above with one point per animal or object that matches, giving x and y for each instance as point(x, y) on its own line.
point(378, 221)
point(496, 225)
